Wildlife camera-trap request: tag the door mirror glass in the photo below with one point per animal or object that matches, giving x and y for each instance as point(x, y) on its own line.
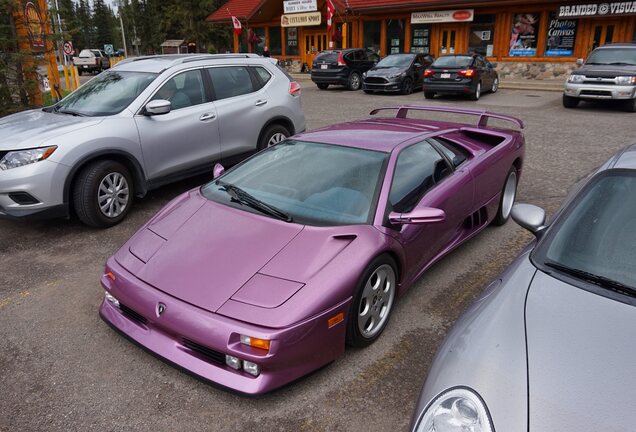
point(218, 170)
point(529, 217)
point(579, 62)
point(418, 216)
point(158, 107)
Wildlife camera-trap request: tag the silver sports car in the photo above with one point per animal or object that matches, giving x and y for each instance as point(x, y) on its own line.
point(550, 345)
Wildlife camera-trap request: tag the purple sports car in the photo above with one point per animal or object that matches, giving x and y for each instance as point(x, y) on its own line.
point(264, 274)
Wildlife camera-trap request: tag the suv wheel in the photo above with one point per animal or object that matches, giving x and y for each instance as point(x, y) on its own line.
point(570, 102)
point(322, 86)
point(630, 105)
point(273, 135)
point(354, 81)
point(103, 193)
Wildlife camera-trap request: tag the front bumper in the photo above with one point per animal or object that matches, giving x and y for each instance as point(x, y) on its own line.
point(600, 91)
point(43, 181)
point(294, 351)
point(388, 86)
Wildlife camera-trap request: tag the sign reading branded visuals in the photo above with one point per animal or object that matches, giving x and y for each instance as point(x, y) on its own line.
point(463, 15)
point(561, 36)
point(301, 19)
point(523, 38)
point(597, 9)
point(296, 6)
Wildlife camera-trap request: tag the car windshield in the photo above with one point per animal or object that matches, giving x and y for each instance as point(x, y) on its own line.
point(106, 94)
point(595, 239)
point(396, 60)
point(616, 56)
point(312, 183)
point(453, 61)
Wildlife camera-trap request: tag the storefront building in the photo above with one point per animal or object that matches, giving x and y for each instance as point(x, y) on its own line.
point(532, 39)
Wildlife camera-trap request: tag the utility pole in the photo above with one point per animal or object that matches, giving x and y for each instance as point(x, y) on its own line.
point(123, 35)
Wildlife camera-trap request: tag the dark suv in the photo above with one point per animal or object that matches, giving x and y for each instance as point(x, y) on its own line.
point(342, 67)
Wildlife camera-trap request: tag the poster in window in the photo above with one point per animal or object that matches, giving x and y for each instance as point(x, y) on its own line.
point(395, 42)
point(523, 38)
point(561, 37)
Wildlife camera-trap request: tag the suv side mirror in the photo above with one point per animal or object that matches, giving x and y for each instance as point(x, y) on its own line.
point(418, 216)
point(579, 62)
point(158, 107)
point(529, 217)
point(218, 170)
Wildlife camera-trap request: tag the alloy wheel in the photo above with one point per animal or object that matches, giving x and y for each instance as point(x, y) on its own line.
point(376, 301)
point(276, 138)
point(113, 195)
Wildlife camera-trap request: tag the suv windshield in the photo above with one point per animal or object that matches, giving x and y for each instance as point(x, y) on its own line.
point(453, 61)
point(617, 56)
point(106, 94)
point(595, 238)
point(312, 183)
point(396, 60)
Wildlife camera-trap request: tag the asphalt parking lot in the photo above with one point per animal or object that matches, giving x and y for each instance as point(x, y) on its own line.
point(63, 369)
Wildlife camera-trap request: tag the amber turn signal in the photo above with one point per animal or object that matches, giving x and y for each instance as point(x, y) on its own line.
point(336, 319)
point(255, 342)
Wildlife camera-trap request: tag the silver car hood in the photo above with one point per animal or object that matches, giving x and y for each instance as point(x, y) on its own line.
point(34, 128)
point(580, 358)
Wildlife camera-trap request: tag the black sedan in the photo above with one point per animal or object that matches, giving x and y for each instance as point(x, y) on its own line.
point(469, 74)
point(397, 73)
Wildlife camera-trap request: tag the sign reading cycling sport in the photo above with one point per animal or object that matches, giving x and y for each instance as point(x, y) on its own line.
point(598, 9)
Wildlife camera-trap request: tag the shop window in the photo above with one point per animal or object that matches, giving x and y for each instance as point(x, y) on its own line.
point(291, 41)
point(561, 36)
point(420, 38)
point(523, 37)
point(371, 37)
point(482, 35)
point(275, 42)
point(395, 36)
point(257, 39)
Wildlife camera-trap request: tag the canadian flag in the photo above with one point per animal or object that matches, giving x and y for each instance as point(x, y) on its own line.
point(330, 11)
point(237, 25)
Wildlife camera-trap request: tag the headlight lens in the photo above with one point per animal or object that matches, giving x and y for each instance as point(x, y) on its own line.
point(18, 158)
point(626, 80)
point(396, 75)
point(457, 410)
point(575, 78)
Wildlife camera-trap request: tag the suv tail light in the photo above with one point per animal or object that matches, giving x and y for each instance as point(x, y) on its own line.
point(467, 72)
point(294, 88)
point(341, 61)
point(428, 73)
point(96, 60)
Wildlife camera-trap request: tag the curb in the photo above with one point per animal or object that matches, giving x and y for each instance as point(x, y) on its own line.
point(529, 87)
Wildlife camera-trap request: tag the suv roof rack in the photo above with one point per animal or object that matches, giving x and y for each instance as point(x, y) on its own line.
point(403, 110)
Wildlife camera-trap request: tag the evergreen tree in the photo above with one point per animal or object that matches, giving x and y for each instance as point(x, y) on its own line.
point(102, 24)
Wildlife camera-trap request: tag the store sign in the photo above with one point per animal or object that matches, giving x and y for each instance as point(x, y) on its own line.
point(561, 37)
point(34, 24)
point(302, 19)
point(597, 9)
point(463, 15)
point(523, 38)
point(296, 6)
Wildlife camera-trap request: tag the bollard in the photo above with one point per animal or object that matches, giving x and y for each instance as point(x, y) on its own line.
point(66, 80)
point(73, 80)
point(77, 78)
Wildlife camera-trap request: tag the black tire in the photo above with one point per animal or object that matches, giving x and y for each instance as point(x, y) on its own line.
point(271, 134)
point(476, 94)
point(505, 205)
point(570, 102)
point(407, 86)
point(354, 336)
point(323, 86)
point(429, 95)
point(630, 105)
point(86, 193)
point(355, 82)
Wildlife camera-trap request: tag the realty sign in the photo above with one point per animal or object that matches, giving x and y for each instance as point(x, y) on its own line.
point(462, 15)
point(598, 9)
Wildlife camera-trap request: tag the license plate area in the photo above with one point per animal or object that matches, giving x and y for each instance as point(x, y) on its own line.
point(324, 66)
point(445, 76)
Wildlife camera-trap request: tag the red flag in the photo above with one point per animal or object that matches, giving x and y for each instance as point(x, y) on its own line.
point(330, 11)
point(237, 25)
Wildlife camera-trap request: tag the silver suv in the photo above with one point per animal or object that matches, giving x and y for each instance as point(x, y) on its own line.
point(144, 123)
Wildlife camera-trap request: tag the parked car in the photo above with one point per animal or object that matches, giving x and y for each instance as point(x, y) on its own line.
point(397, 73)
point(469, 74)
point(342, 67)
point(548, 345)
point(260, 276)
point(91, 60)
point(146, 122)
point(609, 73)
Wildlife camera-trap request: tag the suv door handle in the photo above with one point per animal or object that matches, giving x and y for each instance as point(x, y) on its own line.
point(207, 116)
point(260, 102)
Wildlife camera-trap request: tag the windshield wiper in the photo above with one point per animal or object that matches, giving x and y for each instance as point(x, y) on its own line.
point(601, 281)
point(70, 112)
point(243, 197)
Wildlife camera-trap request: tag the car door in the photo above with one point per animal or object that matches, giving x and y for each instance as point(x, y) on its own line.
point(424, 177)
point(483, 72)
point(419, 68)
point(185, 138)
point(242, 105)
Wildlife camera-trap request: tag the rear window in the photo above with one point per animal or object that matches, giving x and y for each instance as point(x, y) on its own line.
point(453, 61)
point(328, 56)
point(86, 53)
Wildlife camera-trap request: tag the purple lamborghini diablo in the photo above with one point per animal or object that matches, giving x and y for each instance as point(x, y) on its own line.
point(267, 272)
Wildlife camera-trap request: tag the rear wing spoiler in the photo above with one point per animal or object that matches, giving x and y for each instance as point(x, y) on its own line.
point(403, 110)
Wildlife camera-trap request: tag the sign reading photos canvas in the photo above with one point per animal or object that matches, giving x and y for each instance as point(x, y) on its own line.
point(295, 6)
point(462, 15)
point(301, 19)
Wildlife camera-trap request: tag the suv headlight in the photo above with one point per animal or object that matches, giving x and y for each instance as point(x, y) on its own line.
point(457, 410)
point(626, 80)
point(14, 159)
point(575, 78)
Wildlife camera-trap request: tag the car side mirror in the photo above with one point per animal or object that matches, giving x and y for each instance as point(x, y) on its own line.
point(218, 170)
point(579, 62)
point(418, 216)
point(529, 217)
point(419, 65)
point(158, 107)
point(458, 160)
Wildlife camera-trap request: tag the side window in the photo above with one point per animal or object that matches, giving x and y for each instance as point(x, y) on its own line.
point(419, 168)
point(263, 74)
point(230, 81)
point(372, 56)
point(479, 62)
point(183, 90)
point(451, 151)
